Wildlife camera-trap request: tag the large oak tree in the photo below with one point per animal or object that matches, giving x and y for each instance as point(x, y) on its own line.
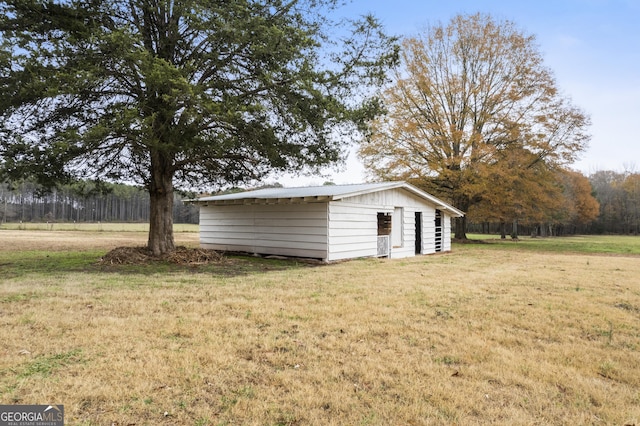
point(168, 93)
point(473, 101)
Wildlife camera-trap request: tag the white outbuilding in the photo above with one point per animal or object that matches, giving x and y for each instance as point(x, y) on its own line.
point(332, 222)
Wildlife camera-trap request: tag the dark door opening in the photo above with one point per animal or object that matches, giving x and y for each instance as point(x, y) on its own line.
point(418, 232)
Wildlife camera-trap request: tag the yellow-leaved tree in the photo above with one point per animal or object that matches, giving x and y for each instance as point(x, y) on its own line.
point(473, 102)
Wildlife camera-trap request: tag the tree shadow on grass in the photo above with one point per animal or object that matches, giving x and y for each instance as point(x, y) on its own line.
point(137, 260)
point(195, 260)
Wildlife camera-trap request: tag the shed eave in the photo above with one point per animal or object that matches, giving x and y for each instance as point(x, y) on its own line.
point(322, 195)
point(382, 187)
point(441, 205)
point(261, 201)
point(416, 191)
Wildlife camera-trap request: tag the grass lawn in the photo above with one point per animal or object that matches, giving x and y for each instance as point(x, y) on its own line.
point(600, 244)
point(502, 333)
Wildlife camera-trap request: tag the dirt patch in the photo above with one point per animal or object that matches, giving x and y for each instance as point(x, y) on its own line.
point(141, 255)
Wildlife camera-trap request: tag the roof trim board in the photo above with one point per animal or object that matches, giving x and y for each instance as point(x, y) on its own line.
point(318, 194)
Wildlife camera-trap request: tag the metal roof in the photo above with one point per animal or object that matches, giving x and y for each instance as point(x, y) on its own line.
point(323, 193)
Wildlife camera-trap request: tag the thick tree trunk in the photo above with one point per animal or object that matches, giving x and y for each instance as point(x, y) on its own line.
point(461, 228)
point(514, 229)
point(161, 206)
point(461, 203)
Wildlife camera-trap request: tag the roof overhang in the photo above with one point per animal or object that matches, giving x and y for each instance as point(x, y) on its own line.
point(261, 201)
point(318, 195)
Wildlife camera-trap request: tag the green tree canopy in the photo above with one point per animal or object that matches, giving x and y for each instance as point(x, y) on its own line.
point(168, 93)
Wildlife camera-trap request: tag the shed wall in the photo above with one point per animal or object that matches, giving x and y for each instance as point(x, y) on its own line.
point(446, 229)
point(282, 229)
point(353, 230)
point(429, 231)
point(353, 224)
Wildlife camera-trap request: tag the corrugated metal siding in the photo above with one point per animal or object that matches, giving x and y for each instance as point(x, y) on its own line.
point(390, 198)
point(353, 230)
point(446, 229)
point(353, 224)
point(408, 247)
point(428, 231)
point(283, 229)
point(408, 204)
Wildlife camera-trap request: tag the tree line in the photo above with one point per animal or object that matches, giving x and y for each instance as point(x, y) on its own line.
point(85, 201)
point(605, 202)
point(619, 198)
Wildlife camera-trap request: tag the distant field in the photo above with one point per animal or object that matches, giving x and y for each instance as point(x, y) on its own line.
point(92, 226)
point(595, 244)
point(496, 333)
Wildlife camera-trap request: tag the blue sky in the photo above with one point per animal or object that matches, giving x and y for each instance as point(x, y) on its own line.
point(592, 47)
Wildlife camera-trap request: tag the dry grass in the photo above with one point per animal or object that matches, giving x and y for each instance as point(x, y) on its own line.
point(92, 226)
point(477, 336)
point(81, 240)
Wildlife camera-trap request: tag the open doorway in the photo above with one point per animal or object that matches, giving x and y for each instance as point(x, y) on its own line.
point(418, 232)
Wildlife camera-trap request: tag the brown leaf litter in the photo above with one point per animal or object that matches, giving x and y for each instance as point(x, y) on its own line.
point(141, 255)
